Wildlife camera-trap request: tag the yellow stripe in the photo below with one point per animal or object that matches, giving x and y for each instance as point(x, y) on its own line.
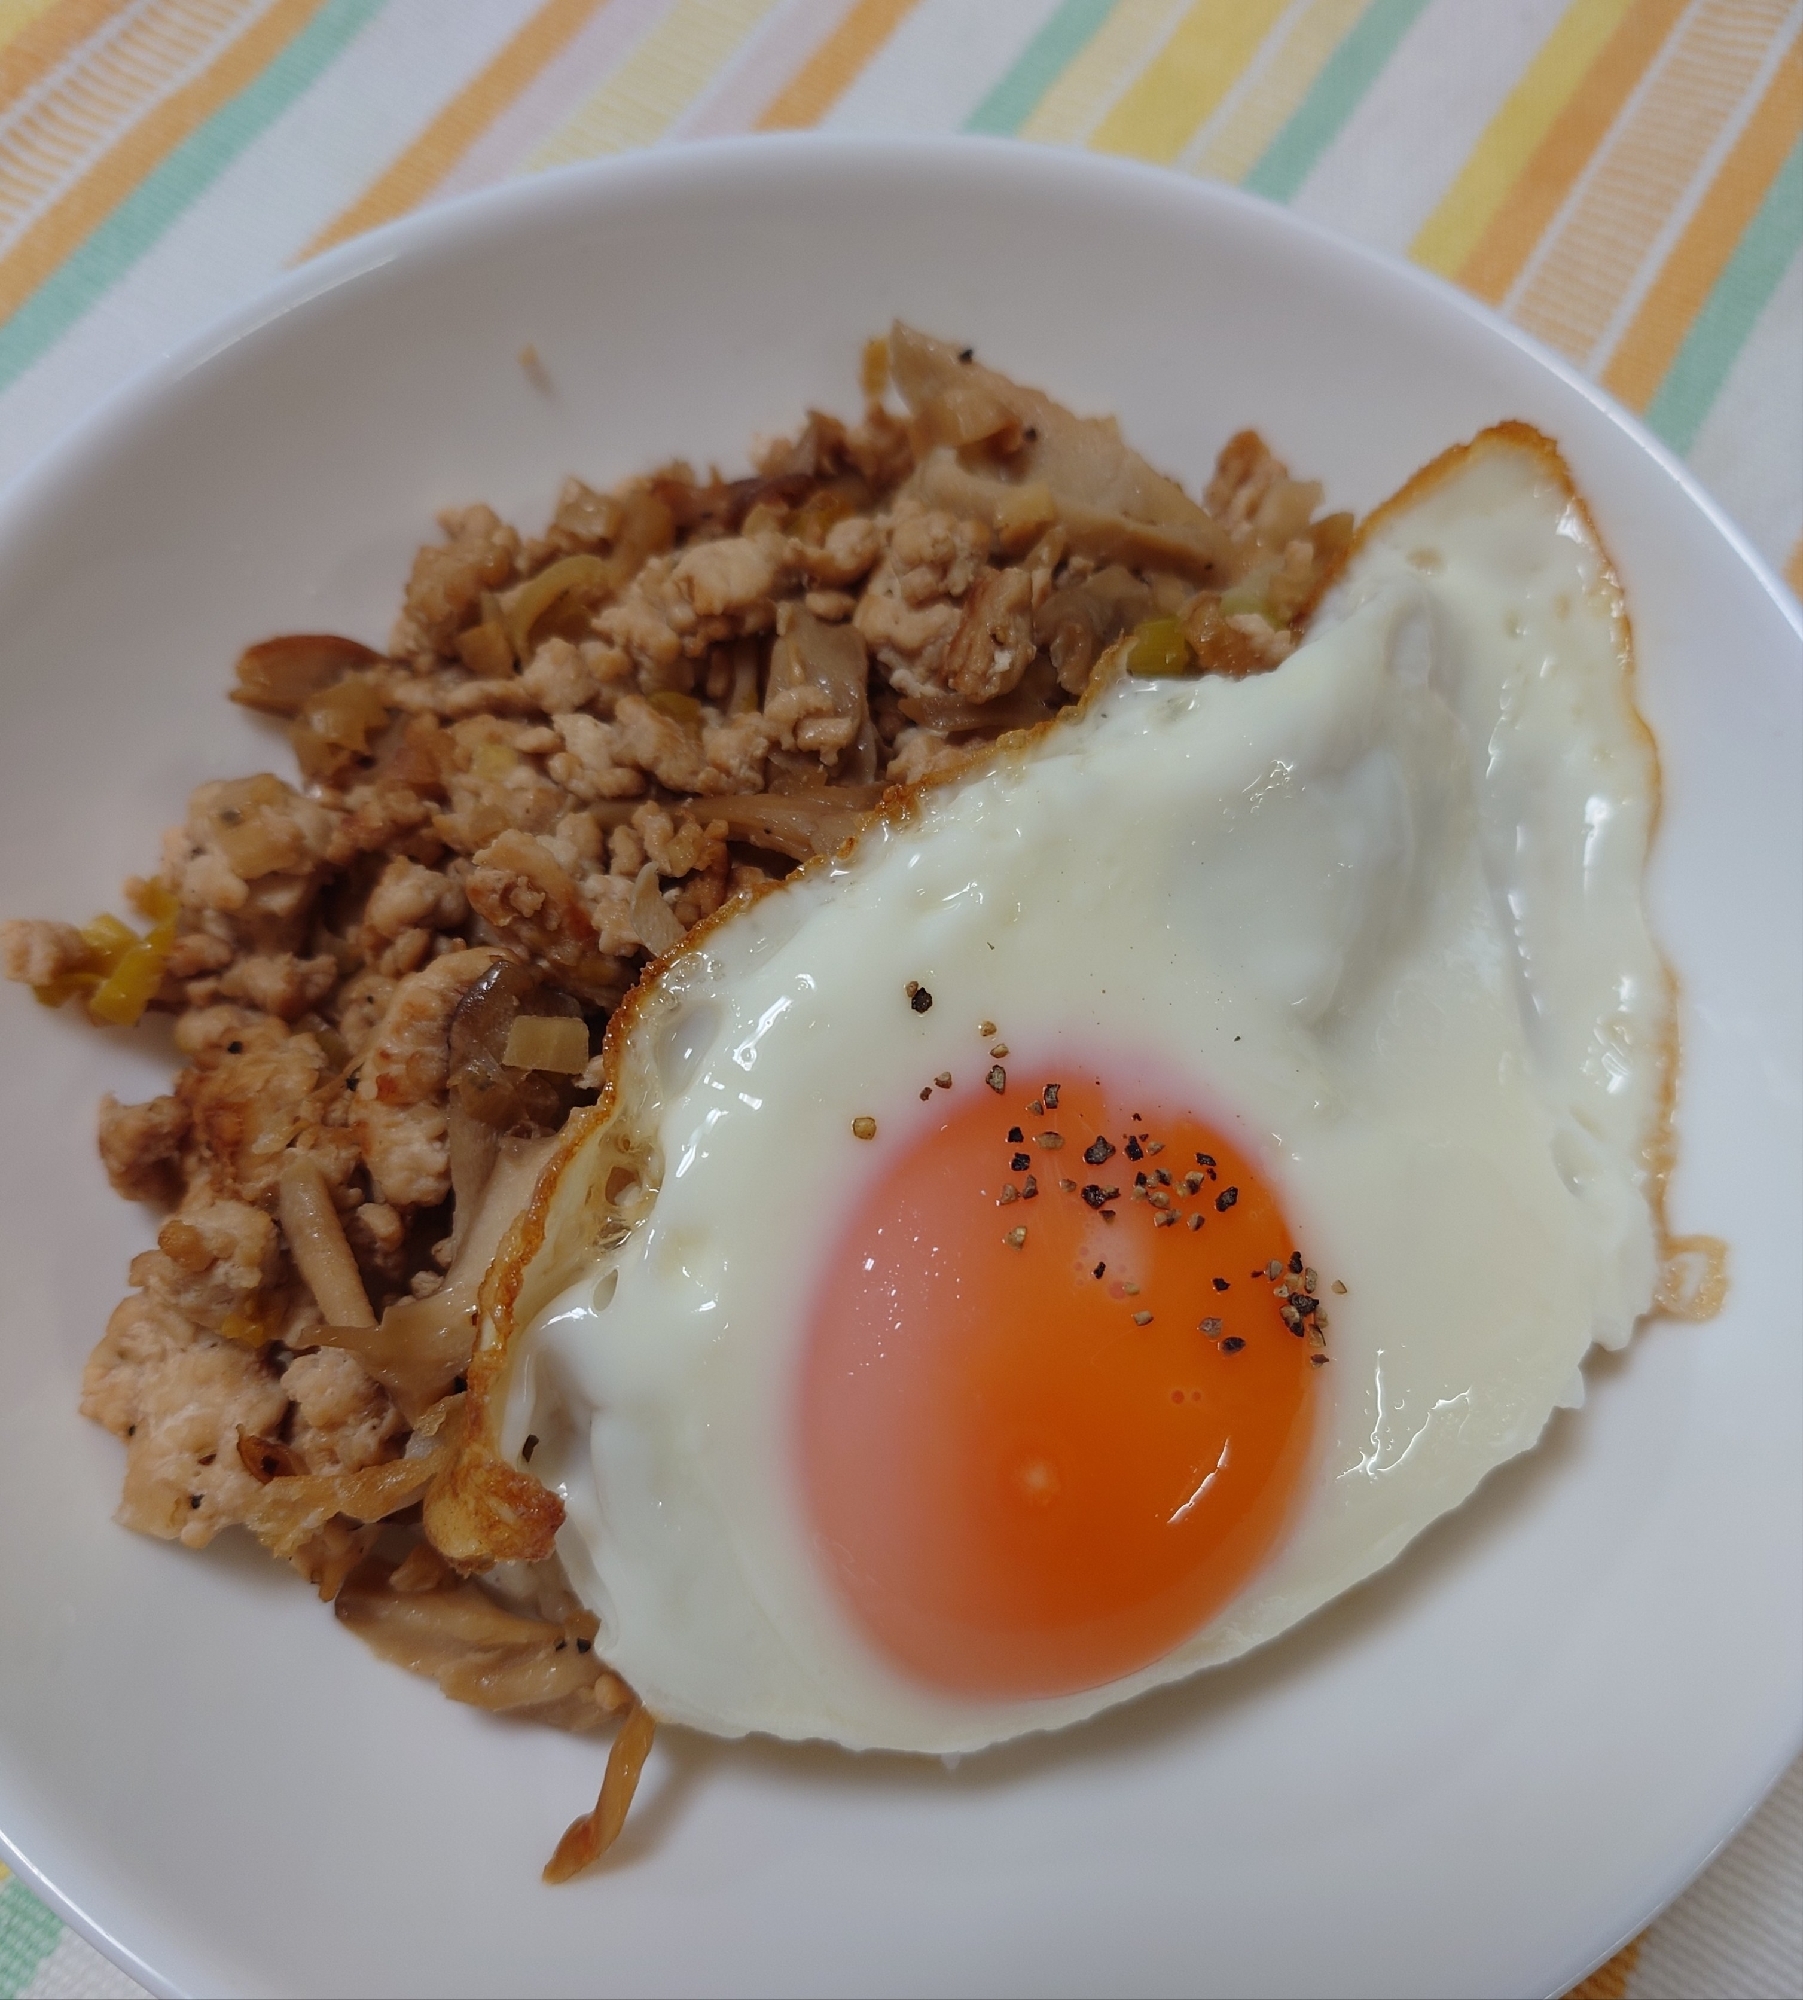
point(1522, 217)
point(99, 93)
point(36, 35)
point(1701, 254)
point(74, 216)
point(417, 171)
point(15, 17)
point(1793, 570)
point(830, 71)
point(1246, 129)
point(1497, 162)
point(1164, 107)
point(667, 70)
point(1086, 89)
point(1587, 268)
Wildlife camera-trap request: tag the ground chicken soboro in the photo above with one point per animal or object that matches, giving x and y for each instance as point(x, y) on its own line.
point(390, 971)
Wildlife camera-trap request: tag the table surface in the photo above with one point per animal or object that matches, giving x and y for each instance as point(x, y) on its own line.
point(1623, 178)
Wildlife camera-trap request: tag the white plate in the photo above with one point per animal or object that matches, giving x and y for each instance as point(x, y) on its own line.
point(1477, 1774)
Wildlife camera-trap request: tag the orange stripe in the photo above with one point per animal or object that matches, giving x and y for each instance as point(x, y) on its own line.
point(1653, 157)
point(830, 71)
point(1610, 1982)
point(38, 47)
point(413, 176)
point(1571, 140)
point(1701, 254)
point(94, 96)
point(68, 223)
point(1793, 570)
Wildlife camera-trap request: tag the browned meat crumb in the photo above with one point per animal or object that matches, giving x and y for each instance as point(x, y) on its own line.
point(140, 1147)
point(341, 1421)
point(180, 1399)
point(400, 1120)
point(447, 583)
point(37, 952)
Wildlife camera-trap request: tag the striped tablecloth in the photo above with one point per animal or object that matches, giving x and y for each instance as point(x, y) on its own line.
point(1622, 177)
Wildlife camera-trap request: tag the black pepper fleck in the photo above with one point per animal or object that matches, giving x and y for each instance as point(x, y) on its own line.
point(1050, 1094)
point(920, 1000)
point(585, 1645)
point(1016, 1137)
point(234, 1048)
point(1232, 1344)
point(1226, 1198)
point(1096, 1273)
point(1221, 1285)
point(1097, 1151)
point(528, 1448)
point(1135, 1151)
point(1020, 1162)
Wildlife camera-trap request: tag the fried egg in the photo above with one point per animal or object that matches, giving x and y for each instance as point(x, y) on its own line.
point(1116, 1205)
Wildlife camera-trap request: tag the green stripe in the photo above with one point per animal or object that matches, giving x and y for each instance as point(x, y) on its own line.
point(1345, 77)
point(1071, 28)
point(1720, 330)
point(28, 1935)
point(163, 197)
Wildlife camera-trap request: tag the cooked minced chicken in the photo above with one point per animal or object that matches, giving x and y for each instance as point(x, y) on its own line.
point(390, 974)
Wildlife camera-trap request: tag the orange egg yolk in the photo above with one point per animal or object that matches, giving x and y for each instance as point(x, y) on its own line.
point(1047, 1430)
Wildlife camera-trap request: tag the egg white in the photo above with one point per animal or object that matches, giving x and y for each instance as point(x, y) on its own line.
point(1380, 909)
